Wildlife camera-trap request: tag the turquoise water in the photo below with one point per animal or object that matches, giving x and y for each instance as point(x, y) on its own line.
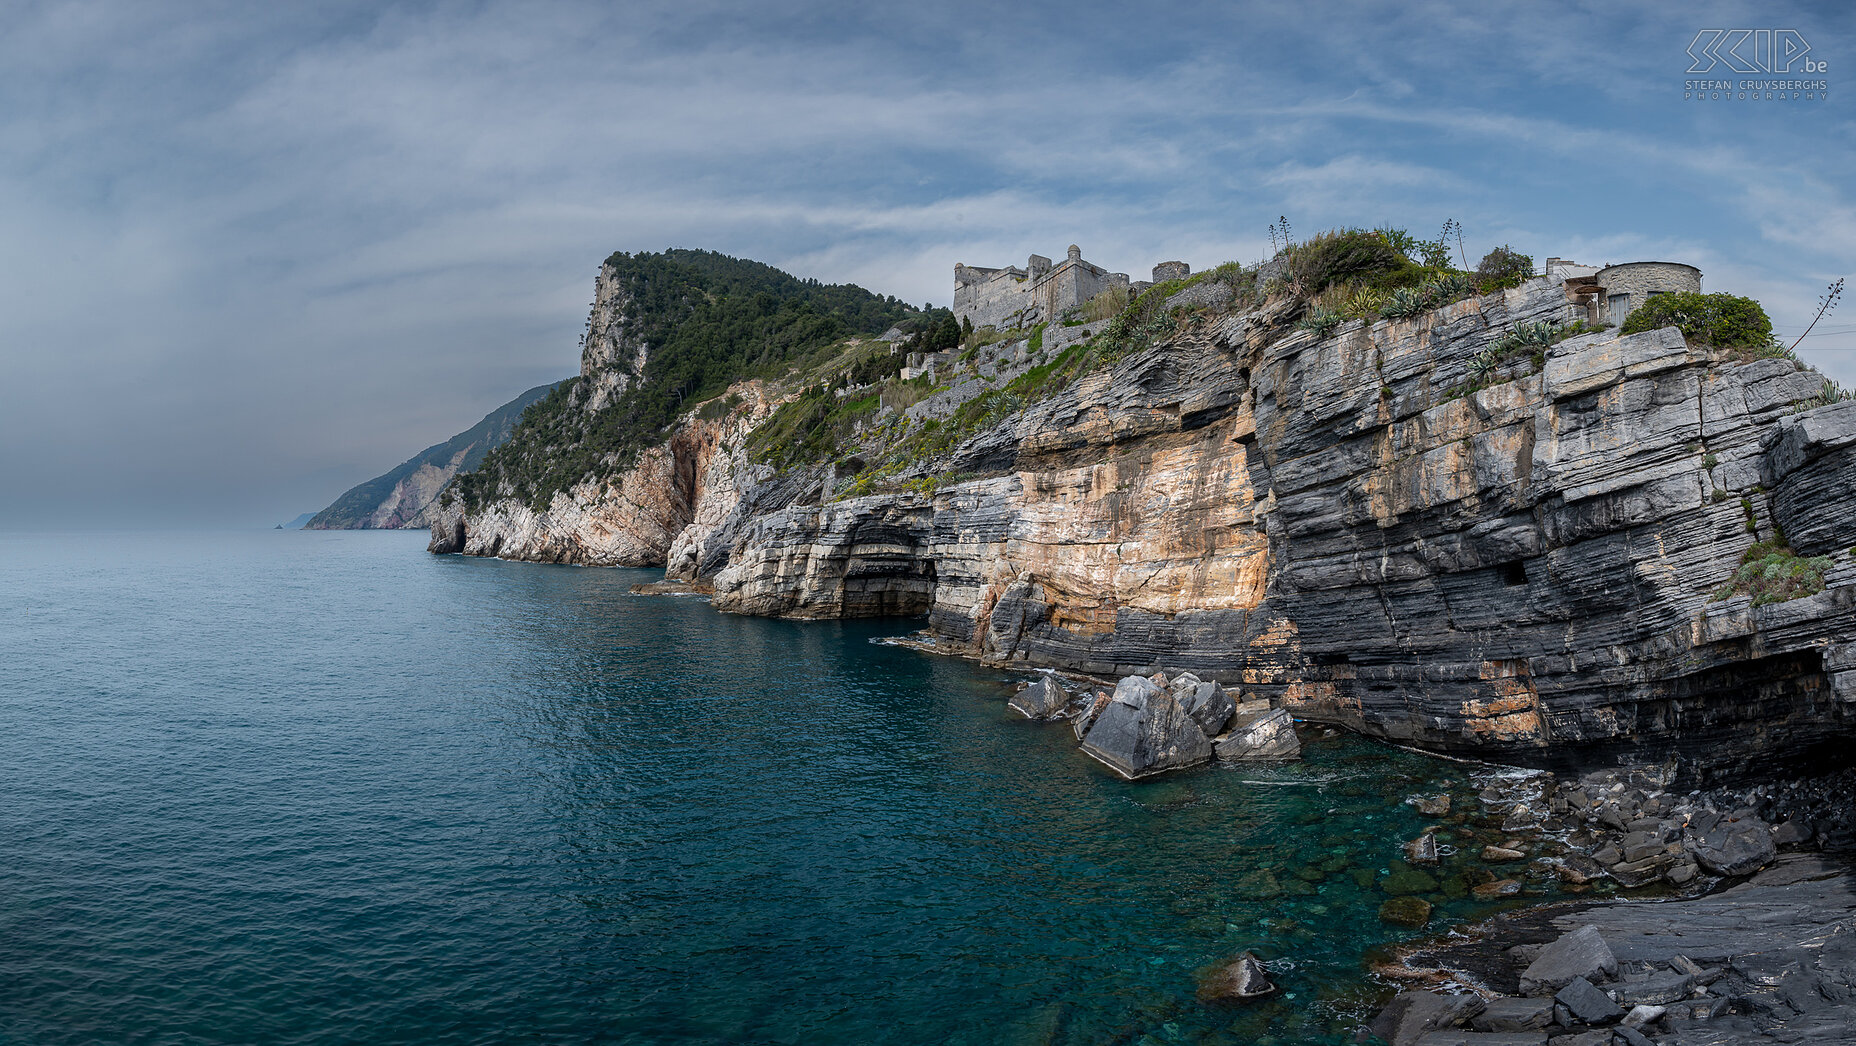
point(298, 787)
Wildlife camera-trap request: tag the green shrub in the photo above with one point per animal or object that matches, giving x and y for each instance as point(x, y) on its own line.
point(1771, 572)
point(1503, 267)
point(1722, 320)
point(1345, 257)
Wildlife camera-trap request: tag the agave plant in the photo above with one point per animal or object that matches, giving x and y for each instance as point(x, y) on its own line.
point(1451, 287)
point(1321, 321)
point(1364, 303)
point(1405, 301)
point(1483, 364)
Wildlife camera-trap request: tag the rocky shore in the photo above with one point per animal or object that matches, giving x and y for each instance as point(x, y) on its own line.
point(1728, 927)
point(1533, 564)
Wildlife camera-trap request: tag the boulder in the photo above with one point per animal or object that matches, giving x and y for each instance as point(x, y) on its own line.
point(1239, 980)
point(1498, 888)
point(1512, 1014)
point(1422, 850)
point(1259, 736)
point(1581, 953)
point(1432, 805)
point(1642, 1014)
point(1411, 1015)
point(1041, 700)
point(1087, 718)
point(1207, 703)
point(1739, 847)
point(1142, 730)
point(1499, 854)
point(1587, 1003)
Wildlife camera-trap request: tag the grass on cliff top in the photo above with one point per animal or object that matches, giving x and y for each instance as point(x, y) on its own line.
point(1771, 572)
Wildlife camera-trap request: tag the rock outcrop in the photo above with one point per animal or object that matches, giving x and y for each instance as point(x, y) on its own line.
point(1769, 960)
point(1367, 529)
point(1526, 571)
point(1144, 729)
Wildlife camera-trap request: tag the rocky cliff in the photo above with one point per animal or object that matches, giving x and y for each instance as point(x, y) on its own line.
point(407, 497)
point(1535, 559)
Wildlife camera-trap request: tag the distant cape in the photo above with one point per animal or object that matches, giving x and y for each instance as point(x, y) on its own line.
point(407, 496)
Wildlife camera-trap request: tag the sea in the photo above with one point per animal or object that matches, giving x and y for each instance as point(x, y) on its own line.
point(322, 787)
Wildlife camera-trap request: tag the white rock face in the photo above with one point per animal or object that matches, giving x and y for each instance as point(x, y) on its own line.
point(612, 357)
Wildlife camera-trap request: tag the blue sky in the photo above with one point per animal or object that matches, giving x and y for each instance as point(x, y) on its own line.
point(257, 253)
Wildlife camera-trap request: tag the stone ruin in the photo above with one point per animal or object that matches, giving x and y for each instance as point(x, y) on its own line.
point(1012, 297)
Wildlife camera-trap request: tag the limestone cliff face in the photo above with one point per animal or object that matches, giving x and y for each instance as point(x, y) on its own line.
point(675, 495)
point(1526, 572)
point(611, 356)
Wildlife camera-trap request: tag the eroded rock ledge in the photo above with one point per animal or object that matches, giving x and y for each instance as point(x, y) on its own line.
point(1527, 572)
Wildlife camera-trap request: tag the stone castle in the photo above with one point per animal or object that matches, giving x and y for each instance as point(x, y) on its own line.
point(1015, 297)
point(1012, 297)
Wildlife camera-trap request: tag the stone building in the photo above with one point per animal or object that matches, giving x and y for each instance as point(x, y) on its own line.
point(1609, 294)
point(1628, 286)
point(1015, 297)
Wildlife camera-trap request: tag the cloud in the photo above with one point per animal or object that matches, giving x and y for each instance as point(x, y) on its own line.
point(255, 254)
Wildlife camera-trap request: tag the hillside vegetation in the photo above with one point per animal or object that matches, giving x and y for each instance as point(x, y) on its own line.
point(705, 320)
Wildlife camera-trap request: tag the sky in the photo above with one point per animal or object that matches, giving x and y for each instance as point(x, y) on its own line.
point(252, 254)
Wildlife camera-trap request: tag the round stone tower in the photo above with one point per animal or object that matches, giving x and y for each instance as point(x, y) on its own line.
point(1628, 286)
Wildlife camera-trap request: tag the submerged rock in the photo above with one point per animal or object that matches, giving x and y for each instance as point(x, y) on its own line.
point(1239, 980)
point(1406, 911)
point(1143, 730)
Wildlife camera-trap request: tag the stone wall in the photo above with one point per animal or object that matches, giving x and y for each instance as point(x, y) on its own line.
point(1636, 281)
point(1013, 297)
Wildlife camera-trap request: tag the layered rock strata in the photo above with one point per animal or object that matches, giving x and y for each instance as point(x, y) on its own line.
point(1346, 527)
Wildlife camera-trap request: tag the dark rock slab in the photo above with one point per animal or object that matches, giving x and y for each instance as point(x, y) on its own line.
point(1739, 847)
point(1508, 1013)
point(1657, 990)
point(1582, 953)
point(1412, 1015)
point(1587, 1003)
